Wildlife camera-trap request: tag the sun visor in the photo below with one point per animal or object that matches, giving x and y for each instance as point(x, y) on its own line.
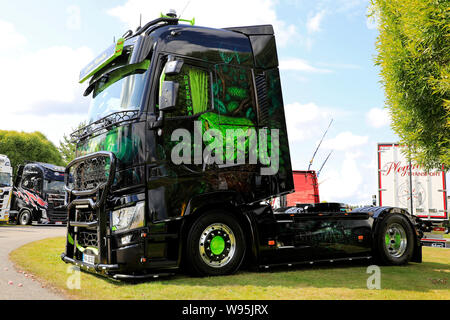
point(137, 48)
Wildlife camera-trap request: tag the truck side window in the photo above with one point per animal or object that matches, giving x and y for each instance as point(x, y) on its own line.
point(26, 181)
point(193, 93)
point(234, 94)
point(31, 181)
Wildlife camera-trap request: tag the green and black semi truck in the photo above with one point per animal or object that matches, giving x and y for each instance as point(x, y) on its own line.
point(185, 144)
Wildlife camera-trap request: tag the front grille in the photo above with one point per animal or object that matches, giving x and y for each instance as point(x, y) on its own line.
point(86, 216)
point(57, 216)
point(54, 212)
point(90, 173)
point(87, 238)
point(88, 179)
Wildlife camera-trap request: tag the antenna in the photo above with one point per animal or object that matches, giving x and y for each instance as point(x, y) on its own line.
point(318, 172)
point(187, 4)
point(140, 22)
point(310, 163)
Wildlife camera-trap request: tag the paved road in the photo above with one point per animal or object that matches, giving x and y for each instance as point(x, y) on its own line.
point(13, 284)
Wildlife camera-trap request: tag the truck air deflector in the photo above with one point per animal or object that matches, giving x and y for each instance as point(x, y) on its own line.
point(107, 56)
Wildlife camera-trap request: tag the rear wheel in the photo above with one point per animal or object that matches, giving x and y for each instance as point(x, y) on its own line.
point(395, 240)
point(215, 245)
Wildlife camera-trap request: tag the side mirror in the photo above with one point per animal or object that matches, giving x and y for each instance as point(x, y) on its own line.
point(173, 67)
point(169, 94)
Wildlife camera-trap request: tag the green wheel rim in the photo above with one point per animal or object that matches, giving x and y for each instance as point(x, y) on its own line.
point(396, 240)
point(217, 245)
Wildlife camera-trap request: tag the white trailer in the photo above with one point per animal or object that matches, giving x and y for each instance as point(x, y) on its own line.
point(406, 185)
point(6, 186)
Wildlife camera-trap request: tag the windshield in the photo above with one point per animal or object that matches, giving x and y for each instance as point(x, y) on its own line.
point(53, 186)
point(5, 179)
point(119, 90)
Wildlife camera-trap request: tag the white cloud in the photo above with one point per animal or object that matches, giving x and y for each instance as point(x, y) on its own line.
point(336, 185)
point(314, 21)
point(295, 64)
point(345, 141)
point(377, 117)
point(10, 37)
point(229, 13)
point(302, 119)
point(49, 74)
point(41, 91)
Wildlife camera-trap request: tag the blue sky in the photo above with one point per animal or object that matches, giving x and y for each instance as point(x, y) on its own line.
point(326, 50)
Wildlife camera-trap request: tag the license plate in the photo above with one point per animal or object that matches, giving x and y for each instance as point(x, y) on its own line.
point(88, 258)
point(58, 222)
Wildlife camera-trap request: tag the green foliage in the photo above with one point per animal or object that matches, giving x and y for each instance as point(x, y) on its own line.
point(414, 54)
point(67, 147)
point(22, 146)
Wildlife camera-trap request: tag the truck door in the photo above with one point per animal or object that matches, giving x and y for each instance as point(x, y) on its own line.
point(182, 172)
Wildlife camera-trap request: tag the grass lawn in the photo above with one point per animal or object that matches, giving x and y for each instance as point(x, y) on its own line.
point(6, 224)
point(427, 280)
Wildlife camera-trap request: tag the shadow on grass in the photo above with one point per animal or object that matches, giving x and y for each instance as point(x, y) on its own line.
point(432, 274)
point(352, 275)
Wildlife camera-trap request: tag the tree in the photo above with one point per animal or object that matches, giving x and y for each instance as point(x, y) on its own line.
point(414, 56)
point(67, 147)
point(22, 146)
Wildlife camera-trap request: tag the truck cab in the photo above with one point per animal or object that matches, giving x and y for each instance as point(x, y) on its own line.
point(6, 185)
point(38, 194)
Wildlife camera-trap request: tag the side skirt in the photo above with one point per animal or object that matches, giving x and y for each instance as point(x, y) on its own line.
point(290, 264)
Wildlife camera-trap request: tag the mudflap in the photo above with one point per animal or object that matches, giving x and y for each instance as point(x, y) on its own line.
point(417, 255)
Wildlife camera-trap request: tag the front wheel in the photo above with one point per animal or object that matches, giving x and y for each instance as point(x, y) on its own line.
point(395, 240)
point(215, 245)
point(24, 218)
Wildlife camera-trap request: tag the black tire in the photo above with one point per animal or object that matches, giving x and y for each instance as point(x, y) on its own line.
point(395, 240)
point(204, 259)
point(24, 218)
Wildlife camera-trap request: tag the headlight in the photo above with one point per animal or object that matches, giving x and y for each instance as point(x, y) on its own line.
point(128, 218)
